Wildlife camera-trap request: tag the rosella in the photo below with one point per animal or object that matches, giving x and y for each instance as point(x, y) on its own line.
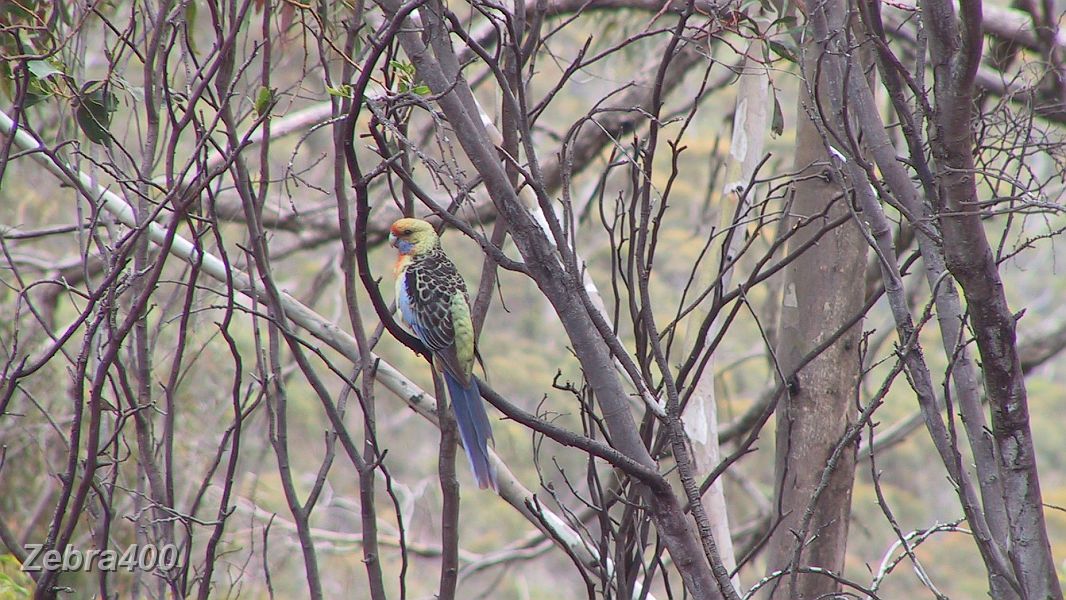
point(432, 299)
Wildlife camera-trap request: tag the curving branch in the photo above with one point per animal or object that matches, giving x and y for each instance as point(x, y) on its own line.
point(323, 329)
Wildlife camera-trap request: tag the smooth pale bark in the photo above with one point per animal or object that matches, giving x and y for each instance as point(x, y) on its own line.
point(751, 127)
point(820, 294)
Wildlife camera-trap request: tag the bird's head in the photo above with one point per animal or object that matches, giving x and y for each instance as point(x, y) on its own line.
point(412, 236)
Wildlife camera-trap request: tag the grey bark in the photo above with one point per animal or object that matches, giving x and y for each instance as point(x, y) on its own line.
point(851, 94)
point(819, 296)
point(955, 48)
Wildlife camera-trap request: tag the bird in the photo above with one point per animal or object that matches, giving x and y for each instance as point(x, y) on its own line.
point(433, 303)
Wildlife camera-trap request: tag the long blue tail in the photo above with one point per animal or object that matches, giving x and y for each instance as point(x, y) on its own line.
point(474, 429)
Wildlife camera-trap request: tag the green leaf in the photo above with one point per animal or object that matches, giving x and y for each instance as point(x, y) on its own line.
point(96, 104)
point(263, 100)
point(341, 91)
point(777, 125)
point(785, 21)
point(403, 67)
point(44, 78)
point(190, 24)
point(357, 49)
point(784, 51)
point(404, 72)
point(422, 90)
point(42, 69)
point(35, 94)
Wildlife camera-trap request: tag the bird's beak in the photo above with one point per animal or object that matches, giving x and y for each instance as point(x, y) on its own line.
point(392, 239)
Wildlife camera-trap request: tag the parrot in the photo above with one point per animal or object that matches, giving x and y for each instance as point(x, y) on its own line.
point(432, 299)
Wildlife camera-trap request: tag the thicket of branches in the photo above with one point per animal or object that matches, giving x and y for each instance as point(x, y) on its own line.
point(730, 265)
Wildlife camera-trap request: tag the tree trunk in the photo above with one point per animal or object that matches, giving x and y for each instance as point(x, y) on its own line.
point(820, 295)
point(955, 53)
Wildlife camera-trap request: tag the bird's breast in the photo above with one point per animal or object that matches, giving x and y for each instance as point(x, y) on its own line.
point(400, 267)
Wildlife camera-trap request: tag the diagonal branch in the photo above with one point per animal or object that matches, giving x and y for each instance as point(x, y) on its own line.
point(327, 332)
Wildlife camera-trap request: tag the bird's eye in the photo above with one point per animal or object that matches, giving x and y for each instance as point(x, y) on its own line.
point(407, 232)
